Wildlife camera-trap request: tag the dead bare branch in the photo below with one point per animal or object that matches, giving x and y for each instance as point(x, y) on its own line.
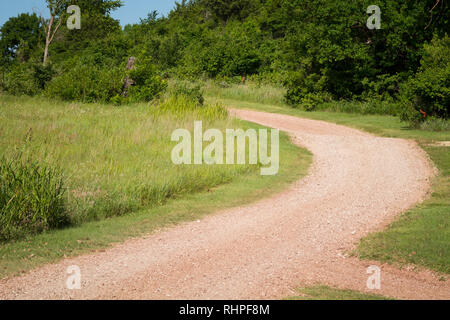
point(431, 12)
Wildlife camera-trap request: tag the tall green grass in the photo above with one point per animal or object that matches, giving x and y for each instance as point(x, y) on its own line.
point(250, 92)
point(51, 246)
point(116, 159)
point(371, 107)
point(435, 124)
point(32, 198)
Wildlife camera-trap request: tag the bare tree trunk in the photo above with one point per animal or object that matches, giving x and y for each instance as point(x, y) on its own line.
point(431, 12)
point(50, 34)
point(47, 39)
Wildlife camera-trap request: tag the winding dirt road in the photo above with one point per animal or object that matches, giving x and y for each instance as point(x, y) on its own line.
point(358, 184)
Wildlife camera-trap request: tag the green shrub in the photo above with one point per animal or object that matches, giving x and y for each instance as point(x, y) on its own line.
point(31, 198)
point(117, 100)
point(192, 92)
point(305, 90)
point(26, 78)
point(428, 93)
point(148, 85)
point(43, 75)
point(225, 53)
point(87, 82)
point(435, 124)
point(384, 87)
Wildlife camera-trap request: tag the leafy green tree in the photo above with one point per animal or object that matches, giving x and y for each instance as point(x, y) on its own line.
point(223, 10)
point(96, 14)
point(20, 36)
point(97, 22)
point(320, 49)
point(329, 40)
point(427, 94)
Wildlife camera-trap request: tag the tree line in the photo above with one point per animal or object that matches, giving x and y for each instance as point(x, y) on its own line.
point(320, 50)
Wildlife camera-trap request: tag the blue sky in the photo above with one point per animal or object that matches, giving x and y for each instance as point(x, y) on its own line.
point(129, 13)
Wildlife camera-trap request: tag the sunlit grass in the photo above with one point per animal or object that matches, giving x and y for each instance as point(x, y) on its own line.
point(116, 159)
point(250, 92)
point(422, 235)
point(328, 293)
point(83, 140)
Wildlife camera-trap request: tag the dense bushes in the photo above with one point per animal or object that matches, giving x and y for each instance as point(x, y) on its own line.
point(427, 94)
point(306, 90)
point(330, 41)
point(190, 91)
point(26, 78)
point(147, 84)
point(320, 50)
point(227, 51)
point(87, 82)
point(333, 54)
point(85, 79)
point(31, 198)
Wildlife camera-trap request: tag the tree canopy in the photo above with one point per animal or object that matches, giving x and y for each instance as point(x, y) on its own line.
point(318, 49)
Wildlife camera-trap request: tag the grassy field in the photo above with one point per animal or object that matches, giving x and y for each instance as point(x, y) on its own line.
point(327, 293)
point(117, 160)
point(252, 92)
point(112, 158)
point(421, 235)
